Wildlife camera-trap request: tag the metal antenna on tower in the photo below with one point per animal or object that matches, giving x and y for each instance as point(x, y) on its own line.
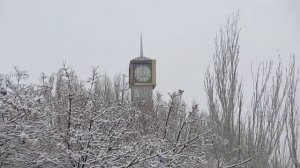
point(141, 49)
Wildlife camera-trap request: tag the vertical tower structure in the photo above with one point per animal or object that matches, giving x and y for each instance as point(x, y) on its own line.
point(142, 77)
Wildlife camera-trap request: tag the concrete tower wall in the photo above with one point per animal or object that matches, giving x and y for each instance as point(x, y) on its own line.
point(143, 93)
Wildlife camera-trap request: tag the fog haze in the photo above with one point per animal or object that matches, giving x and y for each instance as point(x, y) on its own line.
point(38, 35)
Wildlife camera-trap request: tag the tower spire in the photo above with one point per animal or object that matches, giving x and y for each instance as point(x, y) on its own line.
point(141, 49)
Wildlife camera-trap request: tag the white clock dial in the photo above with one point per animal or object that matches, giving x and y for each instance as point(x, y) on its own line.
point(142, 73)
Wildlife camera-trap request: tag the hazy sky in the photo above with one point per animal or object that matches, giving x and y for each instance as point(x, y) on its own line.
point(38, 35)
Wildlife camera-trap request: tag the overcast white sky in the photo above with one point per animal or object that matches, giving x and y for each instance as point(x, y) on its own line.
point(38, 35)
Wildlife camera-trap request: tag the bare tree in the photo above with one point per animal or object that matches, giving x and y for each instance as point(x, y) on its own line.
point(121, 87)
point(292, 112)
point(266, 119)
point(224, 92)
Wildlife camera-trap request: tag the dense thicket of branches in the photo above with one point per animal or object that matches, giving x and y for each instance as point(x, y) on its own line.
point(63, 121)
point(265, 134)
point(66, 122)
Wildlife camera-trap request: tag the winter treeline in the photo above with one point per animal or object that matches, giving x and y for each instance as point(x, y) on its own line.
point(63, 121)
point(264, 133)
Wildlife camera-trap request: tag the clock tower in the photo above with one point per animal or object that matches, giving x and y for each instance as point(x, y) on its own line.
point(142, 77)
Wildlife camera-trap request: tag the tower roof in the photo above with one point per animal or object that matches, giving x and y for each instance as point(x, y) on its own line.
point(141, 59)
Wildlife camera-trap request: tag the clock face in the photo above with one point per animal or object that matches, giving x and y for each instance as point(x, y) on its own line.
point(142, 73)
